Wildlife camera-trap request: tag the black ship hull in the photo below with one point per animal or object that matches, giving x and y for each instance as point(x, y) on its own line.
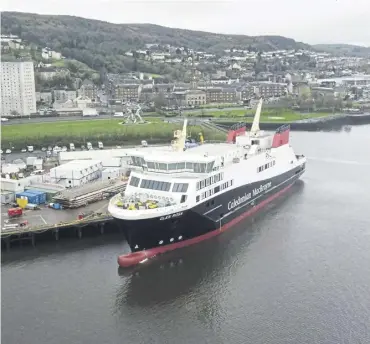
point(148, 237)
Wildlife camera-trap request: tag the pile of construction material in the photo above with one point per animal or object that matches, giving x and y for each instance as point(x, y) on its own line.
point(89, 193)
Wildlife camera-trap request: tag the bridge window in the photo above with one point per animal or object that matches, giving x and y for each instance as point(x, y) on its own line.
point(162, 166)
point(180, 166)
point(155, 185)
point(180, 187)
point(172, 166)
point(134, 181)
point(137, 161)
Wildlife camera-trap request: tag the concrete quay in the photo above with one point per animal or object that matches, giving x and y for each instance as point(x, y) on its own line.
point(49, 224)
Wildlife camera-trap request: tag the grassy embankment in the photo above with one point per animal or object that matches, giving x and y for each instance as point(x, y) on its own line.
point(110, 132)
point(246, 115)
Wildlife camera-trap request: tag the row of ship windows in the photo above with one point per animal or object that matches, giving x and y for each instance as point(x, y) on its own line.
point(266, 166)
point(210, 180)
point(193, 166)
point(211, 192)
point(160, 186)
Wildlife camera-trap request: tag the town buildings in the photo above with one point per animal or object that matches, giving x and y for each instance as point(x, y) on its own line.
point(18, 95)
point(88, 89)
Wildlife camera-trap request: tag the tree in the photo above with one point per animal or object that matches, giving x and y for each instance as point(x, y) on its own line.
point(339, 103)
point(14, 113)
point(159, 100)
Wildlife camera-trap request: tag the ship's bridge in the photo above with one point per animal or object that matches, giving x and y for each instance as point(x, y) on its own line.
point(202, 159)
point(173, 163)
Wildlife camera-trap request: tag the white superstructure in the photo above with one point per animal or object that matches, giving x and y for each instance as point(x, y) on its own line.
point(17, 88)
point(165, 183)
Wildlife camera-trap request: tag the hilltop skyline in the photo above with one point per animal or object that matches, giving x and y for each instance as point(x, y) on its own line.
point(343, 22)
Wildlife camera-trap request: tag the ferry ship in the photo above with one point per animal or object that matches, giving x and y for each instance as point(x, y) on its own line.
point(181, 196)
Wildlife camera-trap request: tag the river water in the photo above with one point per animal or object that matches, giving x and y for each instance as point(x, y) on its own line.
point(298, 272)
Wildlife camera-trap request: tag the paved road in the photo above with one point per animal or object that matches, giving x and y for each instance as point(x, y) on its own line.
point(87, 118)
point(54, 119)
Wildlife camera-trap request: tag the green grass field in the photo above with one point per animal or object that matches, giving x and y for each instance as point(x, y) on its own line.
point(267, 116)
point(58, 63)
point(212, 106)
point(111, 132)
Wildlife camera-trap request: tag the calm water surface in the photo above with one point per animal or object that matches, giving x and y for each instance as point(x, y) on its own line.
point(297, 273)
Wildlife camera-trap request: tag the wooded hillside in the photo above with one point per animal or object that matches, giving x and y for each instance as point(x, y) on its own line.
point(99, 43)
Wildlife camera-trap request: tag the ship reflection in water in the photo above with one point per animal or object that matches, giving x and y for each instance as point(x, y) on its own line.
point(178, 274)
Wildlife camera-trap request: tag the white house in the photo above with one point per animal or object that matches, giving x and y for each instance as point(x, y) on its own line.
point(47, 54)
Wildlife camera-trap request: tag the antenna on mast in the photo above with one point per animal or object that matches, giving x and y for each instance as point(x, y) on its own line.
point(256, 120)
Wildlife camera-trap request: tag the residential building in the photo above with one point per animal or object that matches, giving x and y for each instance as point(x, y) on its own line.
point(221, 95)
point(61, 96)
point(44, 96)
point(247, 92)
point(195, 97)
point(47, 54)
point(163, 88)
point(219, 74)
point(268, 89)
point(17, 88)
point(146, 94)
point(82, 102)
point(5, 47)
point(127, 92)
point(301, 88)
point(183, 86)
point(8, 38)
point(122, 89)
point(52, 72)
point(88, 89)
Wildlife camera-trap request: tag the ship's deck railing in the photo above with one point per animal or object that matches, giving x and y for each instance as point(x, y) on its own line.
point(142, 202)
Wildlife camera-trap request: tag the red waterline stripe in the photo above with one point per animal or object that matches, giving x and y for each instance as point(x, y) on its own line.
point(134, 258)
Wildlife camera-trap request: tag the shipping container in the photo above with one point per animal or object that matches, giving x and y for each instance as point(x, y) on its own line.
point(31, 198)
point(42, 195)
point(49, 193)
point(110, 173)
point(7, 197)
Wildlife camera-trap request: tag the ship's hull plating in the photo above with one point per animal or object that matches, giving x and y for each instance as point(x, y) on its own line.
point(206, 219)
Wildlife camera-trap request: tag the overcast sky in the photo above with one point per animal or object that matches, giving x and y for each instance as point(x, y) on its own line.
point(309, 21)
